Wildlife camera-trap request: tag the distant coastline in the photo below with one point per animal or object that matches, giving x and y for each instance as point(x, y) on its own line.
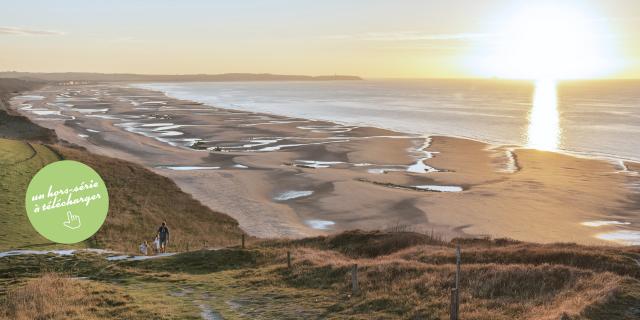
point(453, 108)
point(130, 77)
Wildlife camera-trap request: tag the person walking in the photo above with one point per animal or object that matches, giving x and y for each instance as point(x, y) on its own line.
point(163, 234)
point(156, 244)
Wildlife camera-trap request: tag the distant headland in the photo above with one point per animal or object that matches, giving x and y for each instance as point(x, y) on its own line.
point(109, 77)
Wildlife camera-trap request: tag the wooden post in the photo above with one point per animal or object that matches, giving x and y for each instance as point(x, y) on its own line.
point(354, 280)
point(458, 258)
point(289, 259)
point(458, 267)
point(243, 241)
point(187, 246)
point(453, 310)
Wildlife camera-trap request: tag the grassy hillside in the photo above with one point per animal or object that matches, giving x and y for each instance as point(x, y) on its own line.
point(139, 201)
point(499, 280)
point(19, 162)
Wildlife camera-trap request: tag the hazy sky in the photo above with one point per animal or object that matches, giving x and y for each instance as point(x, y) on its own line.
point(453, 38)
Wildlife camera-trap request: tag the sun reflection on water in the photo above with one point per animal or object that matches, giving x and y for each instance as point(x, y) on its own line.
point(544, 119)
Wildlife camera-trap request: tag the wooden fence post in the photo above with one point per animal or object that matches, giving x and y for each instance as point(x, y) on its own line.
point(243, 241)
point(458, 261)
point(289, 259)
point(354, 279)
point(453, 312)
point(455, 292)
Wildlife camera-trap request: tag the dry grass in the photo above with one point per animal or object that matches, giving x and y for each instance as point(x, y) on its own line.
point(617, 260)
point(53, 296)
point(48, 297)
point(500, 279)
point(409, 283)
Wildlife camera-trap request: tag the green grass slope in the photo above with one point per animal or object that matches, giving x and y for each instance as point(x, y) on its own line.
point(19, 161)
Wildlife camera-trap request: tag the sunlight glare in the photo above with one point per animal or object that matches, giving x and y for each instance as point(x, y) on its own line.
point(544, 120)
point(547, 42)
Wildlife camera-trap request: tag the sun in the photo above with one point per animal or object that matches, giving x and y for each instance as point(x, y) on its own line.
point(547, 42)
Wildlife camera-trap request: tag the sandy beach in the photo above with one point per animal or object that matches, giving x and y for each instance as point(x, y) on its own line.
point(292, 177)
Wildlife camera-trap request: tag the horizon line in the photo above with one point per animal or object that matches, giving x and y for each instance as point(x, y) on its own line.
point(323, 75)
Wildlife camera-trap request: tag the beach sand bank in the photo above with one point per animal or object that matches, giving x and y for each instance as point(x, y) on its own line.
point(291, 177)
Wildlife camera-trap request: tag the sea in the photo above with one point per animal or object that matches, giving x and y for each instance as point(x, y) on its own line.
point(590, 118)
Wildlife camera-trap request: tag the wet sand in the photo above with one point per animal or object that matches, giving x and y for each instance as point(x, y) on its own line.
point(290, 177)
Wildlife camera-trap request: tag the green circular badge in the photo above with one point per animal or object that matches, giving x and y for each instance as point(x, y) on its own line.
point(67, 201)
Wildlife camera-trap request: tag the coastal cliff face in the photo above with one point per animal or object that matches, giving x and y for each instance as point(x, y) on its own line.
point(139, 198)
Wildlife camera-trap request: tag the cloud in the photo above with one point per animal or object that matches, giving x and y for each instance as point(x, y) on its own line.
point(411, 36)
point(18, 31)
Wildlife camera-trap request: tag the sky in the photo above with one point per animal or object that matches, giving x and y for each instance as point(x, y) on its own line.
point(370, 38)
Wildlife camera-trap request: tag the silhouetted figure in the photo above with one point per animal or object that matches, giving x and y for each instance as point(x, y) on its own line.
point(163, 234)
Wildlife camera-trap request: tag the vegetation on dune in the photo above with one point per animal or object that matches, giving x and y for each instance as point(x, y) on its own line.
point(53, 296)
point(500, 279)
point(207, 261)
point(411, 282)
point(621, 261)
point(365, 244)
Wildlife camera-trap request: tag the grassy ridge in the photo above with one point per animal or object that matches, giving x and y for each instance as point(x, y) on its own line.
point(407, 275)
point(19, 161)
point(403, 282)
